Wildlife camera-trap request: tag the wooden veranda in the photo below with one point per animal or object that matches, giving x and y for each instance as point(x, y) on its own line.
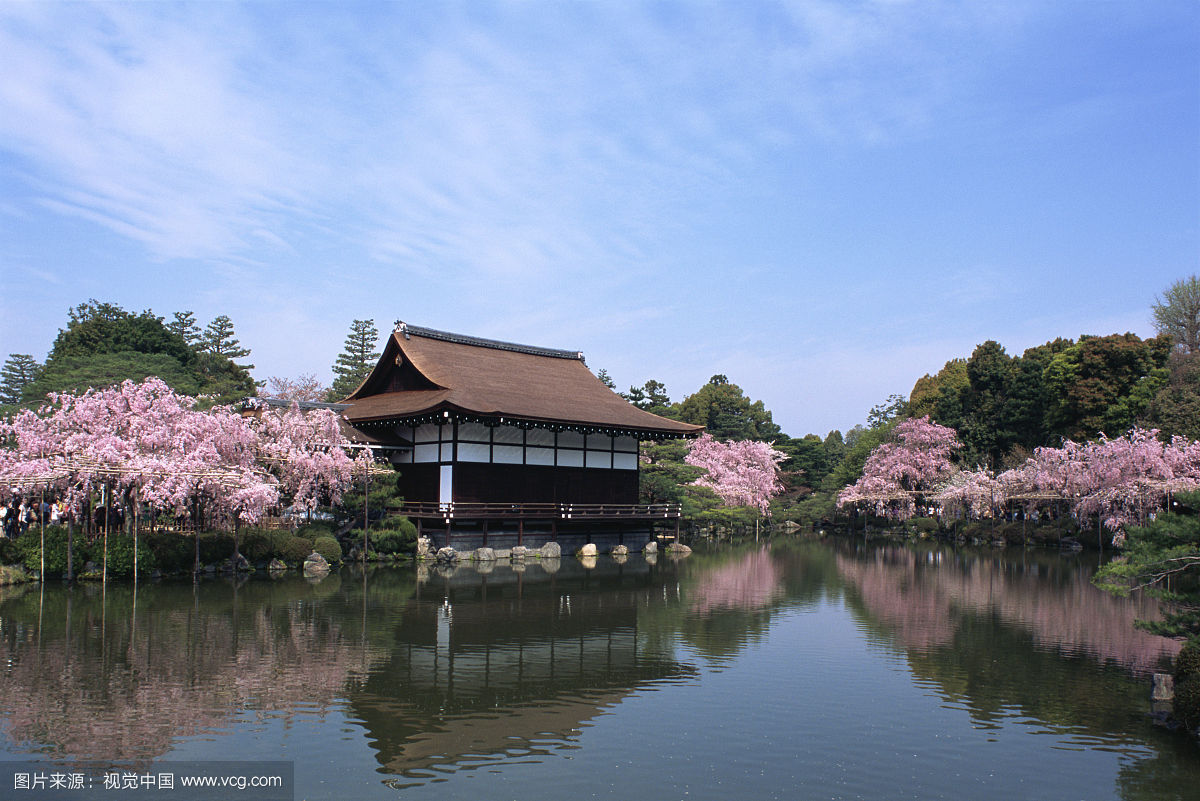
point(522, 514)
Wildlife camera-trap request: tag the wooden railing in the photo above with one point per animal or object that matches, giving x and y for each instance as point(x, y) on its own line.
point(537, 511)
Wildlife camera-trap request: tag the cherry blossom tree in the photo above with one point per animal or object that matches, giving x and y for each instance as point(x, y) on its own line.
point(744, 473)
point(976, 492)
point(896, 473)
point(305, 388)
point(308, 451)
point(1119, 481)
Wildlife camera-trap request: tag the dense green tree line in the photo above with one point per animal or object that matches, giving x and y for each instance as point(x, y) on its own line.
point(1002, 406)
point(104, 344)
point(1005, 406)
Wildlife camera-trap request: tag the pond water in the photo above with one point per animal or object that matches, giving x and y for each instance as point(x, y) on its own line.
point(791, 670)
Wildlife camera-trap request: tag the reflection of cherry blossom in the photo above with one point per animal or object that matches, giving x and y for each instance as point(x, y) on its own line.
point(921, 597)
point(754, 581)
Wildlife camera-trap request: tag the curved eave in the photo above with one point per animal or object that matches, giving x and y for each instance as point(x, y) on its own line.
point(446, 411)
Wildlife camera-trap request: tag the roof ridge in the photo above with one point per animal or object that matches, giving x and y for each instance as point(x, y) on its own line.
point(407, 331)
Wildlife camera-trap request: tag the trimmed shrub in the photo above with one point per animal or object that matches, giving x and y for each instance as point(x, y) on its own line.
point(1187, 702)
point(928, 525)
point(399, 537)
point(29, 549)
point(385, 541)
point(329, 548)
point(256, 544)
point(1187, 662)
point(408, 529)
point(320, 528)
point(120, 556)
point(280, 537)
point(173, 552)
point(10, 554)
point(293, 549)
point(215, 546)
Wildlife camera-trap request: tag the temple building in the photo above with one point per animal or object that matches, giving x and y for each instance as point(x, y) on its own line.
point(475, 424)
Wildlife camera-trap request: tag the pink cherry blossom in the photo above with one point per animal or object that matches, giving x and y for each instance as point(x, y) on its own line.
point(150, 443)
point(897, 473)
point(742, 473)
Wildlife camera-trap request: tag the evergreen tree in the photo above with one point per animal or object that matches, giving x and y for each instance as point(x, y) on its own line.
point(19, 370)
point(1104, 384)
point(986, 430)
point(895, 407)
point(356, 359)
point(103, 345)
point(96, 327)
point(1163, 558)
point(727, 413)
point(1176, 407)
point(650, 397)
point(219, 340)
point(606, 379)
point(185, 326)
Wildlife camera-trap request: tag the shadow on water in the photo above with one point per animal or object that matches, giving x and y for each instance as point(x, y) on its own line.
point(448, 669)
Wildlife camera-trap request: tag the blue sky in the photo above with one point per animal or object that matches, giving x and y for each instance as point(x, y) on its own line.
point(823, 201)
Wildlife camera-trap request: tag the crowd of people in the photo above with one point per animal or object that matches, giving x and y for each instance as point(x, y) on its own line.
point(19, 514)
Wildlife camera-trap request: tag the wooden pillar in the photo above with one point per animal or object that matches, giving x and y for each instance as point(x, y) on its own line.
point(521, 530)
point(485, 532)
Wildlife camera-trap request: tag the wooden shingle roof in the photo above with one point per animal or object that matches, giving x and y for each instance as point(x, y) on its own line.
point(423, 371)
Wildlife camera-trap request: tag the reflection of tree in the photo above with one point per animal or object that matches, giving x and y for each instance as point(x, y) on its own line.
point(982, 629)
point(730, 603)
point(99, 680)
point(1158, 778)
point(752, 581)
point(719, 601)
point(919, 596)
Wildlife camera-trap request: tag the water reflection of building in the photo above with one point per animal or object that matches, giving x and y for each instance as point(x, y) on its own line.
point(498, 666)
point(443, 672)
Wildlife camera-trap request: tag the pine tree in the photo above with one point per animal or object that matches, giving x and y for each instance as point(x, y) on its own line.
point(218, 339)
point(19, 369)
point(185, 325)
point(606, 379)
point(356, 360)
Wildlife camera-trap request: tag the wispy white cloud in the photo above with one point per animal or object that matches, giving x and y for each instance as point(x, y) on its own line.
point(559, 173)
point(195, 129)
